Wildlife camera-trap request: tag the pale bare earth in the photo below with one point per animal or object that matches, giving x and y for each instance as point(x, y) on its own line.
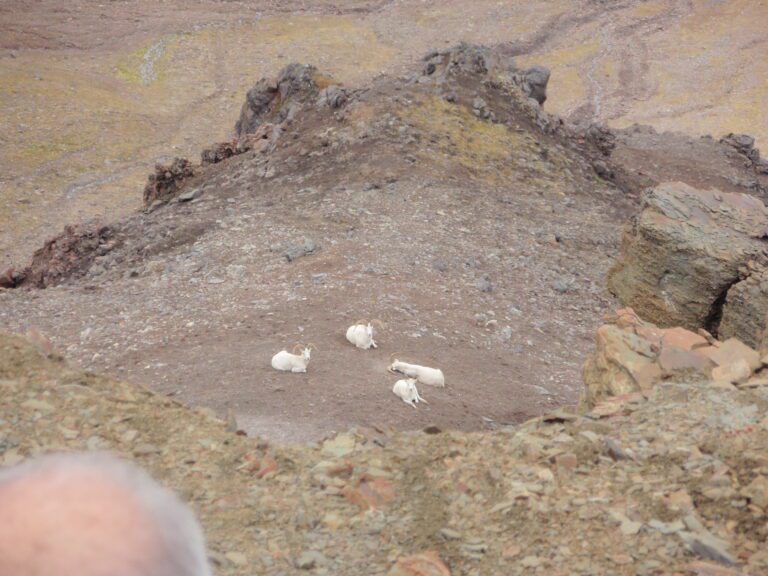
point(93, 94)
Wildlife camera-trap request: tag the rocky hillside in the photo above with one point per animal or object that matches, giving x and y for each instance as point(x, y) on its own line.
point(480, 230)
point(169, 76)
point(447, 204)
point(670, 479)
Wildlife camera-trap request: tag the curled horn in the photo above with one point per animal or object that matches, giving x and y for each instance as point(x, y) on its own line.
point(379, 323)
point(297, 346)
point(312, 346)
point(392, 357)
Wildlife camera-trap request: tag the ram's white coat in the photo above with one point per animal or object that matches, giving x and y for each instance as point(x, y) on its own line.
point(425, 375)
point(288, 362)
point(407, 392)
point(361, 335)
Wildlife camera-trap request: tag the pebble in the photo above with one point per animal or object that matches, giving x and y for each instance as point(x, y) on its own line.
point(709, 547)
point(311, 559)
point(449, 534)
point(237, 558)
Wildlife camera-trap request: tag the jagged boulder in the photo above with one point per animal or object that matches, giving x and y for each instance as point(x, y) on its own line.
point(685, 250)
point(533, 82)
point(165, 182)
point(745, 145)
point(632, 356)
point(275, 100)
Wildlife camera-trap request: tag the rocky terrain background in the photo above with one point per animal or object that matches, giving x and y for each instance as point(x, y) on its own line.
point(170, 77)
point(482, 231)
point(447, 204)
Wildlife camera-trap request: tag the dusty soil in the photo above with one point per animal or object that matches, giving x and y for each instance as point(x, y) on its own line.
point(94, 93)
point(482, 244)
point(674, 485)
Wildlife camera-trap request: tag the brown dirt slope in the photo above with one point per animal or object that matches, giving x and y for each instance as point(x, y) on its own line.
point(673, 484)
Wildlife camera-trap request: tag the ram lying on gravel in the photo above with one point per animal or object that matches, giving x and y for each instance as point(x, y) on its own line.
point(287, 362)
point(423, 374)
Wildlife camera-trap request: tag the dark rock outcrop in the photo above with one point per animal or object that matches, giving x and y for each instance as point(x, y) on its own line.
point(745, 309)
point(275, 100)
point(166, 181)
point(745, 145)
point(533, 82)
point(684, 251)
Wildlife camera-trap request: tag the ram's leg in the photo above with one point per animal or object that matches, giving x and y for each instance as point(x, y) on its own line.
point(373, 344)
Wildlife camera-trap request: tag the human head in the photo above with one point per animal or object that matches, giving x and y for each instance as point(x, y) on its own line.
point(92, 514)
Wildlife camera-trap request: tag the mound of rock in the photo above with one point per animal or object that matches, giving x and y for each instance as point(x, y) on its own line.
point(633, 356)
point(165, 183)
point(745, 145)
point(69, 254)
point(684, 253)
point(479, 61)
point(533, 82)
point(275, 100)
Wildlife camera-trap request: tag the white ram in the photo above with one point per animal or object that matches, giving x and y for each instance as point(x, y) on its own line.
point(407, 392)
point(360, 334)
point(287, 362)
point(424, 374)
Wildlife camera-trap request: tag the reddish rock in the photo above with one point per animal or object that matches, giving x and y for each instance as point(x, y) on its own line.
point(370, 492)
point(567, 461)
point(260, 467)
point(681, 338)
point(40, 341)
point(268, 467)
point(732, 350)
point(166, 181)
point(70, 253)
point(680, 500)
point(736, 372)
point(673, 360)
point(424, 564)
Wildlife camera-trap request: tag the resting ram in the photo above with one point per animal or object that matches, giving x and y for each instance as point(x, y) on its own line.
point(407, 392)
point(360, 334)
point(287, 362)
point(424, 374)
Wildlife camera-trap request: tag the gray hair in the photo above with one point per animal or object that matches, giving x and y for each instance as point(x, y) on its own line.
point(181, 543)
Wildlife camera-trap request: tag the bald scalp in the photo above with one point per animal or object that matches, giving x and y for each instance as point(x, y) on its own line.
point(94, 515)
